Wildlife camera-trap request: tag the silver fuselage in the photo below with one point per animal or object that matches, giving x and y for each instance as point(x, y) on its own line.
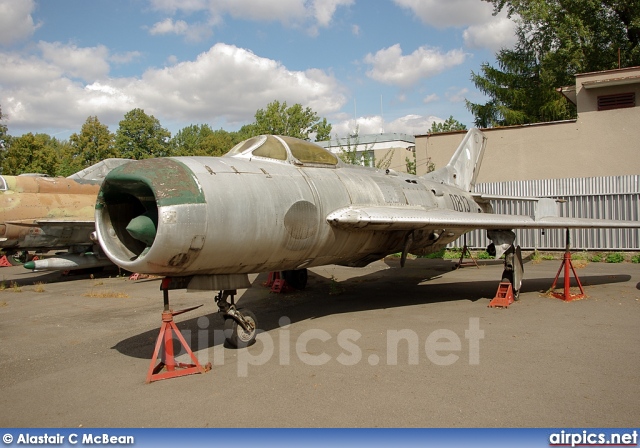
point(250, 215)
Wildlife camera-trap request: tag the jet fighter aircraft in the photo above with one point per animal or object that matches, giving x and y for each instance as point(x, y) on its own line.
point(276, 203)
point(39, 213)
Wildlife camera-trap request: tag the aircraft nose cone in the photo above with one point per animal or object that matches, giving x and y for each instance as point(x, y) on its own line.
point(143, 229)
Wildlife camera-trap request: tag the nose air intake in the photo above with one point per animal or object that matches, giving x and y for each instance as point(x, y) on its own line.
point(131, 199)
point(142, 228)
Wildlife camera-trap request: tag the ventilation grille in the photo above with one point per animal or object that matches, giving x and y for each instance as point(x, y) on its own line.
point(619, 101)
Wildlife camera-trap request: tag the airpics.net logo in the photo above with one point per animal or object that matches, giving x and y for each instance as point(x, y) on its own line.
point(591, 438)
point(318, 347)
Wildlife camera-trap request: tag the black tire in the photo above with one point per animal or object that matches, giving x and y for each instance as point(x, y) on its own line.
point(507, 276)
point(237, 336)
point(297, 279)
point(19, 258)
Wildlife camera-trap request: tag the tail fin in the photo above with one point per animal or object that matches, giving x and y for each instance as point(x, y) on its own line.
point(462, 170)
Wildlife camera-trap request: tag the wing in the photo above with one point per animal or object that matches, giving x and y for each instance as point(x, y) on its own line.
point(404, 218)
point(57, 223)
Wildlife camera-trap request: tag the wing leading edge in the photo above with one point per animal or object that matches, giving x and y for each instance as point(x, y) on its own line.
point(404, 218)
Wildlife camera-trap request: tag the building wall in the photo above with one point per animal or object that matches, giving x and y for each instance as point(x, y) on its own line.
point(598, 143)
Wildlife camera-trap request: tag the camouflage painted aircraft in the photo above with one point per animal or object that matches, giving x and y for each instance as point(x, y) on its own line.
point(39, 213)
point(276, 203)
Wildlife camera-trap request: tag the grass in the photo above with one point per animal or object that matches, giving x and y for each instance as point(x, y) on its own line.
point(106, 294)
point(38, 286)
point(614, 257)
point(334, 287)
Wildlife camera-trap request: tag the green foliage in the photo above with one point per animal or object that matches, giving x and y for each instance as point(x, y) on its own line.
point(411, 164)
point(614, 257)
point(484, 255)
point(635, 259)
point(434, 255)
point(31, 153)
point(450, 124)
point(596, 258)
point(140, 136)
point(94, 143)
point(201, 140)
point(350, 154)
point(556, 40)
point(294, 121)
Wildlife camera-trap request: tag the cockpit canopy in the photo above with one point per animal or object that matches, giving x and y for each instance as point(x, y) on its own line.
point(284, 149)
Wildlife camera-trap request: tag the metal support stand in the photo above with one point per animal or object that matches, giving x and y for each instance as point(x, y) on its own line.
point(168, 329)
point(567, 264)
point(465, 251)
point(4, 262)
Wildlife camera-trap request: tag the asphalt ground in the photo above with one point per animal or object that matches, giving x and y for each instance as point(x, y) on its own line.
point(378, 346)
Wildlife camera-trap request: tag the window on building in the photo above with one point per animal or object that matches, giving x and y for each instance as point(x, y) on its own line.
point(617, 101)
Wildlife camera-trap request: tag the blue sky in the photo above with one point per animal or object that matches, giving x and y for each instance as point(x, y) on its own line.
point(397, 65)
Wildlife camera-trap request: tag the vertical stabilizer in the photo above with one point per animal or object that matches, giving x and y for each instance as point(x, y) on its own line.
point(462, 169)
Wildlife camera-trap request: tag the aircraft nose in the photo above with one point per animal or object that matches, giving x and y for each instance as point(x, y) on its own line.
point(142, 228)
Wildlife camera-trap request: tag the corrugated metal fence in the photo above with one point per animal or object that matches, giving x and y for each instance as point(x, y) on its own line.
point(591, 197)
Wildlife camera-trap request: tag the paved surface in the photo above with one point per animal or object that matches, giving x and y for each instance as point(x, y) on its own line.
point(75, 351)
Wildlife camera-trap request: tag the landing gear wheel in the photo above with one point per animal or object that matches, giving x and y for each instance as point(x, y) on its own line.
point(297, 279)
point(236, 335)
point(507, 276)
point(19, 258)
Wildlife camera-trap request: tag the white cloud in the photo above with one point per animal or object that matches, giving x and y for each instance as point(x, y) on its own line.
point(289, 12)
point(484, 30)
point(87, 63)
point(168, 26)
point(194, 32)
point(457, 95)
point(408, 124)
point(430, 98)
point(443, 14)
point(225, 83)
point(16, 22)
point(495, 35)
point(391, 67)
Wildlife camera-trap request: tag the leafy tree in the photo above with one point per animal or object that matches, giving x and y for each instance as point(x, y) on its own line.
point(450, 124)
point(3, 131)
point(140, 136)
point(201, 140)
point(188, 141)
point(93, 144)
point(556, 40)
point(350, 154)
point(31, 153)
point(4, 137)
point(294, 121)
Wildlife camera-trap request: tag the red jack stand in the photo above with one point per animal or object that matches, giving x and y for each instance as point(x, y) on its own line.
point(165, 338)
point(277, 283)
point(504, 296)
point(566, 264)
point(4, 262)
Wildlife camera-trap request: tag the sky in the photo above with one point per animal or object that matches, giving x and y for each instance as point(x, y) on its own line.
point(375, 65)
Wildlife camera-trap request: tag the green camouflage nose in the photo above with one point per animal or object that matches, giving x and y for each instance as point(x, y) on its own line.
point(143, 229)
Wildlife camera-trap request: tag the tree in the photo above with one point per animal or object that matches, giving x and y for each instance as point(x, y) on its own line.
point(93, 144)
point(556, 40)
point(201, 140)
point(140, 136)
point(350, 154)
point(3, 131)
point(450, 124)
point(31, 153)
point(294, 121)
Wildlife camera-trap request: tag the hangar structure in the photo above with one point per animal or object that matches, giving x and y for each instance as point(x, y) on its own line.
point(592, 162)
